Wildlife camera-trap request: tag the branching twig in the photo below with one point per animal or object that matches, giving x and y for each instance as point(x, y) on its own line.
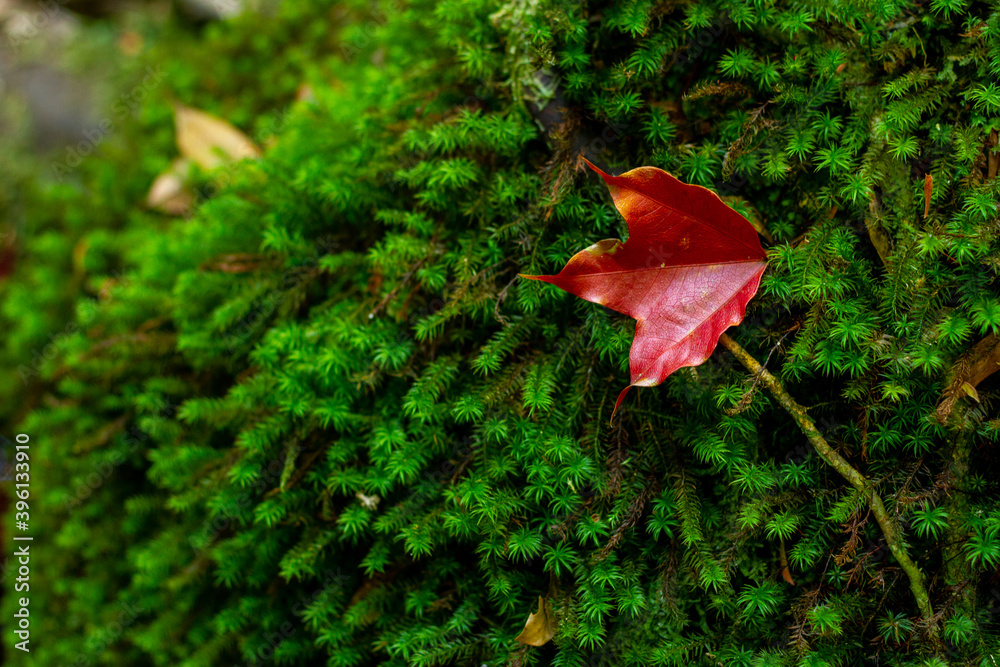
point(890, 528)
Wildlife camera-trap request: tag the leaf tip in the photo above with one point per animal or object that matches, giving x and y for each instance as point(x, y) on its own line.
point(618, 403)
point(595, 168)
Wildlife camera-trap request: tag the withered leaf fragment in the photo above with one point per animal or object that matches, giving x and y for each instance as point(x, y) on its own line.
point(540, 627)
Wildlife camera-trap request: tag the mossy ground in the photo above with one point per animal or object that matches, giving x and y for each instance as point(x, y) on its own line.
point(368, 442)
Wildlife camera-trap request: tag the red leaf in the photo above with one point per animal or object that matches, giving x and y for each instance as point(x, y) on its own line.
point(686, 272)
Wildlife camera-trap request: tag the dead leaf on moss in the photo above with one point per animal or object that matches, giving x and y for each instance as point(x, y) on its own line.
point(970, 391)
point(540, 627)
point(169, 192)
point(208, 141)
point(972, 368)
point(786, 572)
point(683, 240)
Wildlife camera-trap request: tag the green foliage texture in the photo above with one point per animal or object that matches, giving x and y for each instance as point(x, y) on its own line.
point(321, 420)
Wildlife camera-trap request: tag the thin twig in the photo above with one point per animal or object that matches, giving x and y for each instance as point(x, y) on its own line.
point(890, 528)
point(500, 299)
point(390, 295)
point(748, 395)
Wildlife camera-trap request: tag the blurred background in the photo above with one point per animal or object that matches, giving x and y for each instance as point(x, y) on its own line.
point(68, 75)
point(62, 62)
point(111, 115)
point(114, 117)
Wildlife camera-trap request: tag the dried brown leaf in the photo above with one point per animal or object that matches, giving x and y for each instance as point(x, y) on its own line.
point(208, 141)
point(169, 192)
point(972, 368)
point(786, 572)
point(540, 627)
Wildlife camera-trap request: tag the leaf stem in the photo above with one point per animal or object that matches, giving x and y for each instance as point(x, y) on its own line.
point(890, 527)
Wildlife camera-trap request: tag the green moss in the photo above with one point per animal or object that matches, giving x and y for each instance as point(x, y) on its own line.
point(373, 444)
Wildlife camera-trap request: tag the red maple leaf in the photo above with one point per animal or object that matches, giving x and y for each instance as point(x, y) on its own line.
point(690, 265)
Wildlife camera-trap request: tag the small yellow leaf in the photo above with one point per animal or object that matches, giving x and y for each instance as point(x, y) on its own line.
point(980, 362)
point(208, 141)
point(971, 391)
point(540, 627)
